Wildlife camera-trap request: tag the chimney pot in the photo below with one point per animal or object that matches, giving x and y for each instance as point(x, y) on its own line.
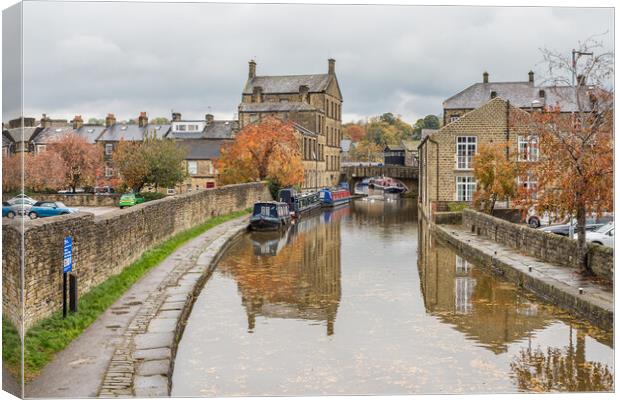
point(176, 116)
point(209, 118)
point(252, 69)
point(531, 77)
point(110, 119)
point(143, 120)
point(46, 122)
point(331, 66)
point(485, 77)
point(77, 122)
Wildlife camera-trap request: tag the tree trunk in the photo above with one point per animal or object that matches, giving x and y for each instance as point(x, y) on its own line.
point(582, 246)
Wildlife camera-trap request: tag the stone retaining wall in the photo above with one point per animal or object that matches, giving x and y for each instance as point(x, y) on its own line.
point(103, 245)
point(551, 248)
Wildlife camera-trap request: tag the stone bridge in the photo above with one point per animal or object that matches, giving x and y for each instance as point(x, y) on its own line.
point(355, 173)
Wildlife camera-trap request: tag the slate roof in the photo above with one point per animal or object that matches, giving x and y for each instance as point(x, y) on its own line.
point(410, 145)
point(221, 129)
point(16, 133)
point(90, 132)
point(269, 106)
point(394, 147)
point(201, 149)
point(6, 139)
point(426, 132)
point(48, 135)
point(288, 83)
point(520, 94)
point(132, 132)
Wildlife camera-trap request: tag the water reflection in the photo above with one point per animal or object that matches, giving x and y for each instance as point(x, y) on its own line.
point(496, 314)
point(338, 305)
point(293, 274)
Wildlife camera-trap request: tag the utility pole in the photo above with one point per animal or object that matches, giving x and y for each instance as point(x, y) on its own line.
point(575, 56)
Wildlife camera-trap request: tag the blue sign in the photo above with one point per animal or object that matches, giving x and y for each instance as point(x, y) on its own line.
point(67, 265)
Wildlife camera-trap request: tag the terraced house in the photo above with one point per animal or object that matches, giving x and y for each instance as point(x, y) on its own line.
point(313, 103)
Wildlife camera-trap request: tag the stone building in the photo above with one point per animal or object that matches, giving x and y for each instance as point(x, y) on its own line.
point(445, 155)
point(523, 94)
point(313, 103)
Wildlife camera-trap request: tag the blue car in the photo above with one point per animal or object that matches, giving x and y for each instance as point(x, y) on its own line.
point(8, 210)
point(42, 209)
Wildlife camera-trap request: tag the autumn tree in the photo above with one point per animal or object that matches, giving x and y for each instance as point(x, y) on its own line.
point(45, 170)
point(131, 163)
point(268, 150)
point(353, 131)
point(160, 121)
point(574, 172)
point(82, 161)
point(153, 161)
point(366, 151)
point(12, 172)
point(496, 176)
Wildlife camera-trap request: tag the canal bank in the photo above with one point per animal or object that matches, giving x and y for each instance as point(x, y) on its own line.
point(564, 286)
point(129, 350)
point(336, 306)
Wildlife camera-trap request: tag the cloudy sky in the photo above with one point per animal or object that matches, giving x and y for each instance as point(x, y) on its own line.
point(95, 58)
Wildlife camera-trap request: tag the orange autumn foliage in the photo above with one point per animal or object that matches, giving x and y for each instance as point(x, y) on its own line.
point(495, 176)
point(267, 150)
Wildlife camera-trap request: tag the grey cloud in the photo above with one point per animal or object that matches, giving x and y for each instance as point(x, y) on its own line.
point(94, 58)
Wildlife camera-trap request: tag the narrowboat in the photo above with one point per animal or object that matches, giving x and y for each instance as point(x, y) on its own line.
point(299, 203)
point(388, 185)
point(334, 197)
point(270, 216)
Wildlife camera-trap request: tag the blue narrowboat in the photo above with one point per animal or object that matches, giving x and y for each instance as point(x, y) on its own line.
point(334, 197)
point(299, 203)
point(270, 216)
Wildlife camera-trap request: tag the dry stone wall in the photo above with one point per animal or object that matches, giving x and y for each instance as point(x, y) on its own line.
point(103, 245)
point(551, 248)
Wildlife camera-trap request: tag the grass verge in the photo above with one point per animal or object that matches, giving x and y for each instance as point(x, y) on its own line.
point(52, 334)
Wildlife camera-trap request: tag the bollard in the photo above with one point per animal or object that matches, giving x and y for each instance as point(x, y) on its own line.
point(73, 292)
point(580, 290)
point(529, 268)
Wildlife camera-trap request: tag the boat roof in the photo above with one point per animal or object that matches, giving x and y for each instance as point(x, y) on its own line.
point(271, 202)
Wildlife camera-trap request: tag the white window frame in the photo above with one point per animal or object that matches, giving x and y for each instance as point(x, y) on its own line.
point(465, 185)
point(466, 148)
point(109, 148)
point(192, 167)
point(530, 183)
point(109, 172)
point(454, 118)
point(528, 148)
point(41, 148)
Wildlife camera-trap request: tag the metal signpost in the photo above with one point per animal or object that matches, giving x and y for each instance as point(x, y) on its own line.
point(67, 266)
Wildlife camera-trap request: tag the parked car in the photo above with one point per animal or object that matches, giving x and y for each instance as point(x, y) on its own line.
point(603, 236)
point(42, 209)
point(103, 190)
point(130, 199)
point(8, 210)
point(22, 199)
point(592, 224)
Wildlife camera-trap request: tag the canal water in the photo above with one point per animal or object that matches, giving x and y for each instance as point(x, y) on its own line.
point(363, 300)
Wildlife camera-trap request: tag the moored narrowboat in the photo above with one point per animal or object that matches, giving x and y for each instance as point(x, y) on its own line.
point(270, 216)
point(299, 203)
point(334, 197)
